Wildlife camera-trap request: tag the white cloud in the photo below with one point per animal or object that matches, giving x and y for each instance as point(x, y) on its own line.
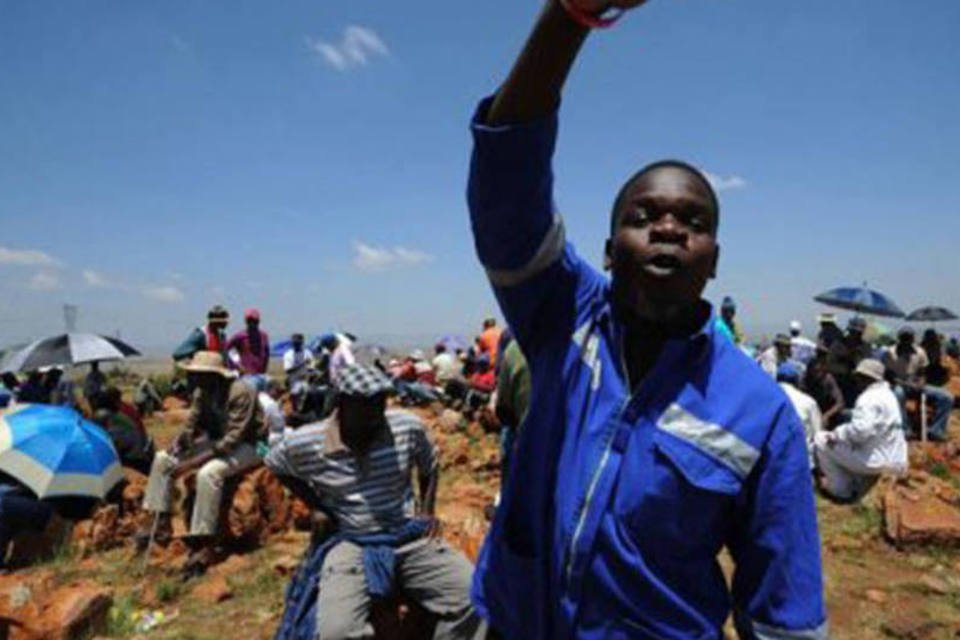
point(356, 48)
point(725, 183)
point(26, 257)
point(44, 281)
point(163, 294)
point(369, 258)
point(95, 279)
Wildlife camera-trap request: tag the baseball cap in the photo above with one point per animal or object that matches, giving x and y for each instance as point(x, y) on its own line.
point(362, 381)
point(788, 372)
point(857, 324)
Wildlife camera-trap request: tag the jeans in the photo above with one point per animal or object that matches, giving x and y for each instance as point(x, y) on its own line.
point(942, 402)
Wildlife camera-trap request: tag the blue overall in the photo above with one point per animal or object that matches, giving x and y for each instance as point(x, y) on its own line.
point(617, 503)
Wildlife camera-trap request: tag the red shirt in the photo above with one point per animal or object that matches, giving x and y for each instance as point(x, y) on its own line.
point(484, 381)
point(131, 412)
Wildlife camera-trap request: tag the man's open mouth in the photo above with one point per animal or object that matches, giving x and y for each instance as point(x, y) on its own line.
point(663, 264)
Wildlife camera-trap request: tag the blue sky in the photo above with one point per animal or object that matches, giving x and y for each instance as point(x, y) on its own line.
point(309, 158)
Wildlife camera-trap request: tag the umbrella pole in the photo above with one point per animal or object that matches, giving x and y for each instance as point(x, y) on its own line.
point(923, 417)
point(153, 534)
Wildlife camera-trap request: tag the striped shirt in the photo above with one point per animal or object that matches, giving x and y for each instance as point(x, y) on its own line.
point(365, 494)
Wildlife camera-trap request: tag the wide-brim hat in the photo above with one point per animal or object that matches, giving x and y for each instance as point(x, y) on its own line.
point(207, 362)
point(870, 368)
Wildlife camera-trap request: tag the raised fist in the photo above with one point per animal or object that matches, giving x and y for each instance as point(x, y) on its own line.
point(599, 6)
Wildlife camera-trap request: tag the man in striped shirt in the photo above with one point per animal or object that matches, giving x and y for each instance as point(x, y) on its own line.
point(357, 466)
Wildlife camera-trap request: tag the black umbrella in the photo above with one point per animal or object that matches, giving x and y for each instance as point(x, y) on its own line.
point(67, 349)
point(931, 314)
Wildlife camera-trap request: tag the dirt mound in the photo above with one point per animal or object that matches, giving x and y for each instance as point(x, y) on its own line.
point(32, 607)
point(112, 525)
point(260, 508)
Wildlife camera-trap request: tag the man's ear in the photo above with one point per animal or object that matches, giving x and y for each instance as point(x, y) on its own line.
point(608, 254)
point(716, 259)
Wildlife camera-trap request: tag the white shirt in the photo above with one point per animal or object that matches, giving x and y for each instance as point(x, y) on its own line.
point(806, 407)
point(274, 417)
point(446, 366)
point(802, 349)
point(296, 363)
point(341, 357)
point(874, 436)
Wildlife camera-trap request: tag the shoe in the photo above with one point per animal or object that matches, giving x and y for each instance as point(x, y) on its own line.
point(201, 555)
point(163, 535)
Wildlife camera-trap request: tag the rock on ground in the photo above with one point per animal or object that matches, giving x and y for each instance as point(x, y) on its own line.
point(33, 608)
point(921, 509)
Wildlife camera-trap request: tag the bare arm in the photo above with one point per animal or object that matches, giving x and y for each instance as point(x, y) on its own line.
point(532, 90)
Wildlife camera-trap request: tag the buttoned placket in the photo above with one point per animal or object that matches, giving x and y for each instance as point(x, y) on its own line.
point(618, 430)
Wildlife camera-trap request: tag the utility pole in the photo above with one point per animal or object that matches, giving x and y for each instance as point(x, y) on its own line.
point(70, 312)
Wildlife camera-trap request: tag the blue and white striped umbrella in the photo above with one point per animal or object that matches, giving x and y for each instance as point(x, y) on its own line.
point(55, 452)
point(861, 300)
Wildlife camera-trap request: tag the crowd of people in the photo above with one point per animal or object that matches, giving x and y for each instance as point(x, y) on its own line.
point(860, 402)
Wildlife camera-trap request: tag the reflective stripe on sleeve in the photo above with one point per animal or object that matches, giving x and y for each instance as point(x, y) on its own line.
point(549, 252)
point(710, 438)
point(767, 632)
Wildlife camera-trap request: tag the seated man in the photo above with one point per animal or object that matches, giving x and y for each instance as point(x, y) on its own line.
point(853, 456)
point(356, 466)
point(823, 387)
point(125, 429)
point(146, 398)
point(780, 353)
point(297, 363)
point(789, 377)
point(219, 438)
point(844, 356)
point(907, 363)
point(20, 511)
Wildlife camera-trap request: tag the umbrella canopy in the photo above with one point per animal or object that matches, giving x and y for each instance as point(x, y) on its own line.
point(277, 349)
point(55, 452)
point(860, 300)
point(931, 314)
point(67, 349)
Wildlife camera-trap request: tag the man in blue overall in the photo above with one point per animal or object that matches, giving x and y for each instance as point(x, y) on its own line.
point(650, 443)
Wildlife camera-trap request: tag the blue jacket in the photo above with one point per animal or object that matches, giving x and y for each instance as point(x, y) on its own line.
point(617, 505)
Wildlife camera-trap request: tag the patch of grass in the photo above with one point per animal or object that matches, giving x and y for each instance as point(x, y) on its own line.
point(121, 621)
point(863, 520)
point(266, 584)
point(940, 470)
point(169, 590)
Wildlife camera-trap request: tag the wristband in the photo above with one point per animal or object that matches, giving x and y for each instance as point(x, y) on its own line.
point(604, 20)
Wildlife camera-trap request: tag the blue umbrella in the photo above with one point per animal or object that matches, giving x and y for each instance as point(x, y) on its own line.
point(55, 452)
point(931, 314)
point(452, 342)
point(277, 349)
point(860, 300)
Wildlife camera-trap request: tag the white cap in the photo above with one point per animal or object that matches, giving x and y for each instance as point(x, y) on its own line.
point(796, 326)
